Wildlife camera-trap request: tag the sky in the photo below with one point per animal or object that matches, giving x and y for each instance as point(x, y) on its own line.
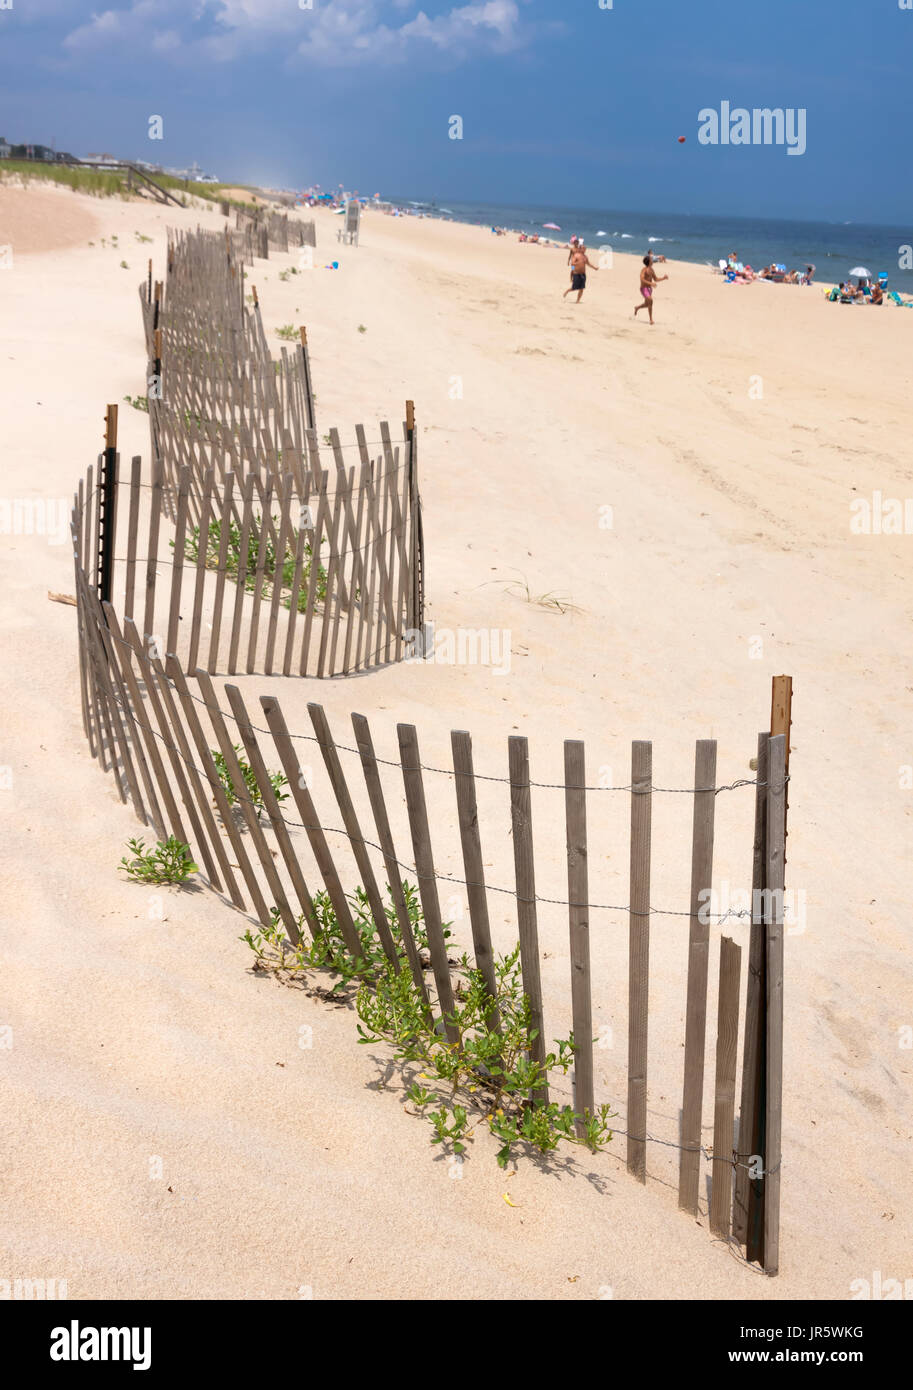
point(562, 102)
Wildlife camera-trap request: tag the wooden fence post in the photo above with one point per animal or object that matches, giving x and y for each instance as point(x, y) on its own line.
point(424, 869)
point(776, 859)
point(749, 1191)
point(639, 956)
point(525, 877)
point(579, 929)
point(727, 1047)
point(698, 947)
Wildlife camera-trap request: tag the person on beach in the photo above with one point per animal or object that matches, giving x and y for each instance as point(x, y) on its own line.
point(579, 262)
point(571, 248)
point(648, 280)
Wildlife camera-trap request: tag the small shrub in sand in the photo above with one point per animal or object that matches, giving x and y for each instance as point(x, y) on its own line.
point(487, 1076)
point(168, 861)
point(278, 780)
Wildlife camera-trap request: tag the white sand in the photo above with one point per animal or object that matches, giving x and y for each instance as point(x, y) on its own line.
point(731, 521)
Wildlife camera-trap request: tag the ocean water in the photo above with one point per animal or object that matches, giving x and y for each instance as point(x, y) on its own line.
point(834, 248)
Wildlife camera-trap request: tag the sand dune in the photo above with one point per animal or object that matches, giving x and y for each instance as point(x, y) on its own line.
point(728, 441)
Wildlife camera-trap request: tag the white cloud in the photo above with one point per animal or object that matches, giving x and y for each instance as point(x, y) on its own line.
point(332, 33)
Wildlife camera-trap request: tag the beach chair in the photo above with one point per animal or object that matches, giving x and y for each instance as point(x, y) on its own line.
point(901, 303)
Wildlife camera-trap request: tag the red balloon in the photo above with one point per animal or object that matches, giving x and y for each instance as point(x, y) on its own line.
point(681, 139)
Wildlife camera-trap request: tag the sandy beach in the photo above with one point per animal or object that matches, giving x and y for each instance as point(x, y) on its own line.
point(685, 491)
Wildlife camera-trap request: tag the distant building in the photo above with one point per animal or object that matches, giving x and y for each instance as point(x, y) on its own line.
point(5, 149)
point(101, 159)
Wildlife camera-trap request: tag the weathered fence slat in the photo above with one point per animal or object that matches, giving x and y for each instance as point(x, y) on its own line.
point(639, 955)
point(468, 817)
point(301, 793)
point(525, 876)
point(382, 823)
point(424, 870)
point(211, 773)
point(274, 811)
point(776, 861)
point(353, 831)
point(698, 947)
point(748, 1206)
point(727, 1047)
point(243, 797)
point(579, 929)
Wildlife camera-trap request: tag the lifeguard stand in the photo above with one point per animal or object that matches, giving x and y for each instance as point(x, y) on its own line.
point(348, 232)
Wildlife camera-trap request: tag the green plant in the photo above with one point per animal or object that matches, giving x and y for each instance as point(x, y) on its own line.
point(327, 948)
point(274, 572)
point(168, 861)
point(482, 1070)
point(138, 402)
point(278, 780)
point(361, 328)
point(124, 266)
point(288, 332)
point(485, 1061)
point(141, 237)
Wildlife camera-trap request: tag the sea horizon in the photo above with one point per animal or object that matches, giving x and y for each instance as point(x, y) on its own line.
point(835, 248)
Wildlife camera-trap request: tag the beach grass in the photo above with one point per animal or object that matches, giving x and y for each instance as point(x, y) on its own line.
point(108, 183)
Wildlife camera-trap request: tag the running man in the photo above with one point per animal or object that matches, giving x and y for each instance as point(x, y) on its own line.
point(579, 262)
point(648, 281)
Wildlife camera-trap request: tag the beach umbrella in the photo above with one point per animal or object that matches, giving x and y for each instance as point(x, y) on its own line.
point(551, 226)
point(861, 270)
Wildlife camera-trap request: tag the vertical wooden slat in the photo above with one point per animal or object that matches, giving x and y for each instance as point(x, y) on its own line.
point(776, 859)
point(142, 719)
point(424, 869)
point(353, 830)
point(221, 570)
point(202, 556)
point(639, 955)
point(241, 581)
point(196, 782)
point(266, 504)
point(314, 573)
point(199, 845)
point(132, 527)
point(294, 596)
point(242, 795)
point(311, 822)
point(579, 928)
point(177, 571)
point(525, 875)
point(382, 822)
point(211, 773)
point(288, 484)
point(698, 947)
point(727, 1046)
point(468, 816)
point(747, 1215)
point(273, 810)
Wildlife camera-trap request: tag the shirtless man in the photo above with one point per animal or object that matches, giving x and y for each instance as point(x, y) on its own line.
point(648, 279)
point(579, 262)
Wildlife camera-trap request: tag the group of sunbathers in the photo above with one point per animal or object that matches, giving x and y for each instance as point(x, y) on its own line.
point(735, 272)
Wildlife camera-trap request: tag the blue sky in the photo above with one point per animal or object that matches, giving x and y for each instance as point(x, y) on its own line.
point(562, 103)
